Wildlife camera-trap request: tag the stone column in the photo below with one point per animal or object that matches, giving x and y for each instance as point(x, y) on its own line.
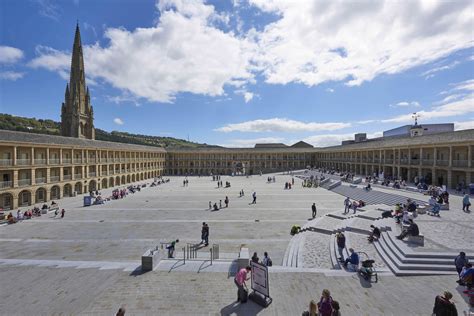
point(61, 174)
point(408, 175)
point(47, 157)
point(450, 179)
point(33, 175)
point(48, 176)
point(435, 156)
point(60, 156)
point(32, 156)
point(14, 156)
point(434, 179)
point(15, 179)
point(15, 201)
point(450, 161)
point(469, 160)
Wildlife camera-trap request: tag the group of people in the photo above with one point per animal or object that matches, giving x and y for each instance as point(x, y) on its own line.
point(216, 207)
point(185, 182)
point(266, 261)
point(220, 185)
point(288, 185)
point(348, 205)
point(216, 178)
point(271, 179)
point(326, 306)
point(30, 213)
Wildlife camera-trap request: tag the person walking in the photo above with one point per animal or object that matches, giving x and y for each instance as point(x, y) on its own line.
point(203, 231)
point(206, 234)
point(239, 281)
point(466, 203)
point(171, 248)
point(341, 244)
point(443, 306)
point(313, 209)
point(267, 261)
point(226, 201)
point(210, 205)
point(62, 213)
point(254, 196)
point(347, 205)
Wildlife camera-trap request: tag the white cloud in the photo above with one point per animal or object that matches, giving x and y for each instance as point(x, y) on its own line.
point(251, 142)
point(450, 109)
point(48, 9)
point(314, 41)
point(10, 55)
point(465, 85)
point(406, 104)
point(431, 73)
point(280, 125)
point(464, 125)
point(330, 90)
point(248, 96)
point(11, 75)
point(118, 121)
point(334, 139)
point(52, 59)
point(183, 52)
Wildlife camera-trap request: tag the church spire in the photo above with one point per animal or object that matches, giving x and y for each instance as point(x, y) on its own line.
point(76, 116)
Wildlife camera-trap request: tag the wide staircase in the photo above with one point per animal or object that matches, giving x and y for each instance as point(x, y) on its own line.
point(390, 254)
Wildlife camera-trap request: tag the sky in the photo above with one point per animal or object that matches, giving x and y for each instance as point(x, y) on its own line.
point(234, 73)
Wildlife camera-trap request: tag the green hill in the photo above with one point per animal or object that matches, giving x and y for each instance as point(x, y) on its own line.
point(32, 125)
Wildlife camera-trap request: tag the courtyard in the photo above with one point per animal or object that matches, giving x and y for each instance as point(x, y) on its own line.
point(88, 263)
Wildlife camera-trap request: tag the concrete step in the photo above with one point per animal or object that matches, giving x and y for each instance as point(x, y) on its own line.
point(415, 260)
point(410, 253)
point(417, 264)
point(406, 272)
point(333, 252)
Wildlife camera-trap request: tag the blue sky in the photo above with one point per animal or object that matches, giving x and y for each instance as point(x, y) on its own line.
point(238, 72)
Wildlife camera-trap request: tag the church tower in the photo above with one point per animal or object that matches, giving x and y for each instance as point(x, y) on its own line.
point(77, 115)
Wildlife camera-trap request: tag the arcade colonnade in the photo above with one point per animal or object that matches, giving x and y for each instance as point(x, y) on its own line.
point(37, 168)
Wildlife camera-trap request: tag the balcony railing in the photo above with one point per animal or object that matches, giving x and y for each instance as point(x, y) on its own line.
point(427, 162)
point(92, 160)
point(104, 173)
point(6, 162)
point(24, 182)
point(54, 178)
point(40, 180)
point(91, 174)
point(67, 161)
point(77, 160)
point(6, 184)
point(459, 163)
point(67, 177)
point(404, 161)
point(54, 161)
point(77, 176)
point(388, 161)
point(40, 161)
point(23, 162)
point(442, 162)
point(415, 162)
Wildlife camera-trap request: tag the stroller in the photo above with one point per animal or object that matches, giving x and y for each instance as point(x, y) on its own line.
point(367, 270)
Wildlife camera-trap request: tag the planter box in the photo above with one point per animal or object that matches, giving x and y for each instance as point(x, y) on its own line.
point(150, 259)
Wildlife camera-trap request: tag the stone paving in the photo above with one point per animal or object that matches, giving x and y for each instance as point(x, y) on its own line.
point(84, 263)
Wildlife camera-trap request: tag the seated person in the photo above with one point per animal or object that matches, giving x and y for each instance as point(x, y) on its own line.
point(375, 234)
point(44, 207)
point(466, 276)
point(216, 208)
point(412, 230)
point(295, 229)
point(11, 219)
point(368, 187)
point(387, 214)
point(353, 259)
point(53, 203)
point(313, 309)
point(411, 206)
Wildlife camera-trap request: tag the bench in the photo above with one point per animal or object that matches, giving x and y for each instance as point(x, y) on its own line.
point(417, 240)
point(244, 258)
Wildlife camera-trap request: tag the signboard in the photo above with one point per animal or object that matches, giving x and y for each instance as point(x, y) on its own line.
point(260, 279)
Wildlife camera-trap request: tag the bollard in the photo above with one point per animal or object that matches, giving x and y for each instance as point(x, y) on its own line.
point(184, 255)
point(211, 255)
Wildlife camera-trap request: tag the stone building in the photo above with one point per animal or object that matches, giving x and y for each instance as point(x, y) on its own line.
point(77, 114)
point(36, 168)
